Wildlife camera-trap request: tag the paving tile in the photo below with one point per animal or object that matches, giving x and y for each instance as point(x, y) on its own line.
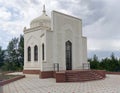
point(32, 84)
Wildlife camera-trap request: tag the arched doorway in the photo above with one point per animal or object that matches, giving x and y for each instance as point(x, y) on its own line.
point(68, 46)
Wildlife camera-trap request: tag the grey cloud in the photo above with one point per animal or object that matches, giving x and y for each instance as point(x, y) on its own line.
point(95, 8)
point(96, 11)
point(102, 54)
point(65, 4)
point(100, 17)
point(37, 2)
point(15, 13)
point(5, 38)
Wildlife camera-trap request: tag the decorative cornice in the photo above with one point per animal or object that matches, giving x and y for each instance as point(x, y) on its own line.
point(67, 15)
point(36, 29)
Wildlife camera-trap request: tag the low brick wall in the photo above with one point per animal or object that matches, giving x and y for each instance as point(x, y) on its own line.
point(100, 72)
point(80, 75)
point(11, 80)
point(60, 77)
point(46, 74)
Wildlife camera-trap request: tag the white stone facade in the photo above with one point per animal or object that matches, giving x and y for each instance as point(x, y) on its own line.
point(60, 29)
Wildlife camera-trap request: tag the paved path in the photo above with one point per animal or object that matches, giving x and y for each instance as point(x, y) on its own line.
point(32, 84)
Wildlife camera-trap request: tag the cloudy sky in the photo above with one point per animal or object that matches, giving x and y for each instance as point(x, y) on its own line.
point(100, 20)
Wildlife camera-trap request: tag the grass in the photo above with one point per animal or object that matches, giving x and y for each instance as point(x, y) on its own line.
point(5, 77)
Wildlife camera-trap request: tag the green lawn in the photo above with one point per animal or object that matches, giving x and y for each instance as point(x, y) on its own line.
point(5, 77)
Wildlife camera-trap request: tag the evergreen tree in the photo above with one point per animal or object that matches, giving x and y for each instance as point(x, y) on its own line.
point(94, 63)
point(1, 56)
point(21, 51)
point(11, 62)
point(14, 55)
point(108, 64)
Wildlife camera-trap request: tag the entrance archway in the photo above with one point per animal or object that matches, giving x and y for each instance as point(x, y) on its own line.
point(68, 46)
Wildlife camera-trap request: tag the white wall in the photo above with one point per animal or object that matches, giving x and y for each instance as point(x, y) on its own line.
point(63, 28)
point(66, 28)
point(33, 37)
point(48, 64)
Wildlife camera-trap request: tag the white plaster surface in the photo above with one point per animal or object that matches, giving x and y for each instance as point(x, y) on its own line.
point(63, 28)
point(32, 84)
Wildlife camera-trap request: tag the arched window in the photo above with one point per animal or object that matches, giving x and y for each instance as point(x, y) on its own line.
point(68, 46)
point(29, 54)
point(43, 54)
point(35, 53)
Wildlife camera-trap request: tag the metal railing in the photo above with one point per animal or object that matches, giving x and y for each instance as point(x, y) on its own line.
point(86, 66)
point(56, 66)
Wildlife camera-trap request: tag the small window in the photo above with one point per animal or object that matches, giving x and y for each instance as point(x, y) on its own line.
point(43, 52)
point(35, 53)
point(29, 54)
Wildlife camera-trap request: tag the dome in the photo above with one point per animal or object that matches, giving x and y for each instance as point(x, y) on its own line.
point(43, 20)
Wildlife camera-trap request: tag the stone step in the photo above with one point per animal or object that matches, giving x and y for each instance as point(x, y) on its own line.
point(82, 79)
point(86, 76)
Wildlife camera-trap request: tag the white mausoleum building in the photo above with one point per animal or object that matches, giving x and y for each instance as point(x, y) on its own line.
point(54, 43)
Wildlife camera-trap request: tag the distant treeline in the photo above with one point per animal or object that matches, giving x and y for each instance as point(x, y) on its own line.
point(12, 58)
point(109, 63)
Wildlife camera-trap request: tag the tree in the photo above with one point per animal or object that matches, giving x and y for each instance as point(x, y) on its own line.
point(11, 62)
point(94, 62)
point(108, 64)
point(114, 63)
point(21, 51)
point(13, 50)
point(14, 55)
point(105, 64)
point(1, 56)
